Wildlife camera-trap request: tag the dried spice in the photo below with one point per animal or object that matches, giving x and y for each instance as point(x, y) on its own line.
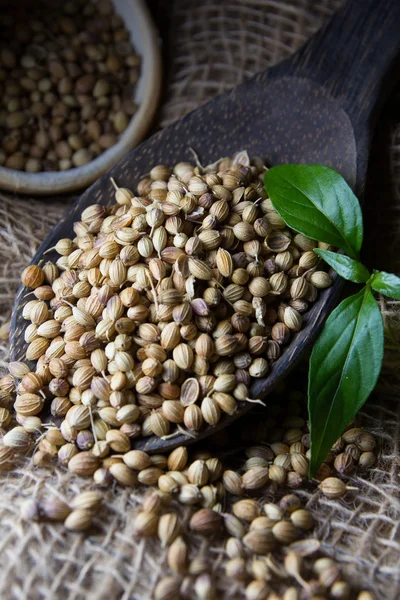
point(148, 333)
point(63, 102)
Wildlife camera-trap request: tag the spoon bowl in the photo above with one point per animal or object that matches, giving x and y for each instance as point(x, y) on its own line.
point(319, 106)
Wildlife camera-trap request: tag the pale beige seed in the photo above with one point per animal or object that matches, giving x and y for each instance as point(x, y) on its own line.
point(340, 590)
point(178, 556)
point(190, 391)
point(32, 277)
point(128, 414)
point(365, 442)
point(79, 520)
point(226, 402)
point(146, 523)
point(262, 523)
point(299, 463)
point(283, 460)
point(204, 346)
point(257, 590)
point(37, 348)
point(29, 404)
point(294, 565)
point(255, 478)
point(233, 483)
point(152, 503)
point(159, 424)
point(285, 532)
point(166, 483)
point(321, 280)
point(259, 570)
point(321, 564)
point(178, 458)
point(234, 526)
point(123, 474)
point(305, 547)
point(168, 528)
point(329, 576)
point(90, 500)
point(183, 356)
point(210, 411)
point(199, 269)
point(366, 595)
point(224, 262)
point(55, 509)
point(292, 319)
point(83, 464)
point(236, 569)
point(246, 509)
point(351, 435)
point(170, 336)
point(189, 494)
point(18, 369)
point(299, 288)
point(260, 541)
point(209, 496)
point(167, 588)
point(17, 438)
point(367, 460)
point(6, 457)
point(173, 411)
point(234, 548)
point(302, 518)
point(273, 511)
point(149, 476)
point(332, 487)
point(204, 587)
point(137, 460)
point(289, 503)
point(198, 473)
point(79, 417)
point(118, 441)
point(214, 466)
point(193, 418)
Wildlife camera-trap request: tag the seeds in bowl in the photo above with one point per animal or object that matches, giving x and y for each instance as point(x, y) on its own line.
point(67, 77)
point(163, 308)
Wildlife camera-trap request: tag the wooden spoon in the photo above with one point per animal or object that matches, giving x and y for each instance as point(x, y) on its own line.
point(319, 106)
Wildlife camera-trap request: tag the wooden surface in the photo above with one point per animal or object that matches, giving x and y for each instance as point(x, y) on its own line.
point(147, 92)
point(318, 106)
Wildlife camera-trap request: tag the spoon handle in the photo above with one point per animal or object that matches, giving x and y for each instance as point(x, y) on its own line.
point(353, 55)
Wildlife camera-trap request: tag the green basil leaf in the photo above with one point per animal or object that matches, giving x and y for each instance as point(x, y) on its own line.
point(316, 201)
point(344, 367)
point(387, 284)
point(346, 267)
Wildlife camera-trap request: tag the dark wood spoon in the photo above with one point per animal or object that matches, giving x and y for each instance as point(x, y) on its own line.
point(319, 106)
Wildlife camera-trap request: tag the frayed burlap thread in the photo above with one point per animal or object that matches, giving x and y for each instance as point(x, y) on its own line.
point(212, 46)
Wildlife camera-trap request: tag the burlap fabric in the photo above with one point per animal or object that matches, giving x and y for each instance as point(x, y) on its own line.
point(212, 46)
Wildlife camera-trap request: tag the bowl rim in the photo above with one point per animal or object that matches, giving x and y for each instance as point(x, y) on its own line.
point(58, 182)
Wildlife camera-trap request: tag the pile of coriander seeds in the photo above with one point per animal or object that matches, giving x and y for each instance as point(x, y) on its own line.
point(67, 79)
point(161, 309)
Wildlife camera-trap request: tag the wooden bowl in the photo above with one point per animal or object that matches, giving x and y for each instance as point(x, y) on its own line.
point(147, 91)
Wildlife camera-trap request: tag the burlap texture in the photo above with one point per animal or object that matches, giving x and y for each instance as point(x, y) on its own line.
point(212, 46)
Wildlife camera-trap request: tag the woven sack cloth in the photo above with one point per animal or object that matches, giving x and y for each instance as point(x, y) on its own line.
point(212, 46)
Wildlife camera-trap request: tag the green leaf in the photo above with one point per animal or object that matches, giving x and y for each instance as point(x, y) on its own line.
point(387, 284)
point(344, 367)
point(346, 267)
point(316, 201)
